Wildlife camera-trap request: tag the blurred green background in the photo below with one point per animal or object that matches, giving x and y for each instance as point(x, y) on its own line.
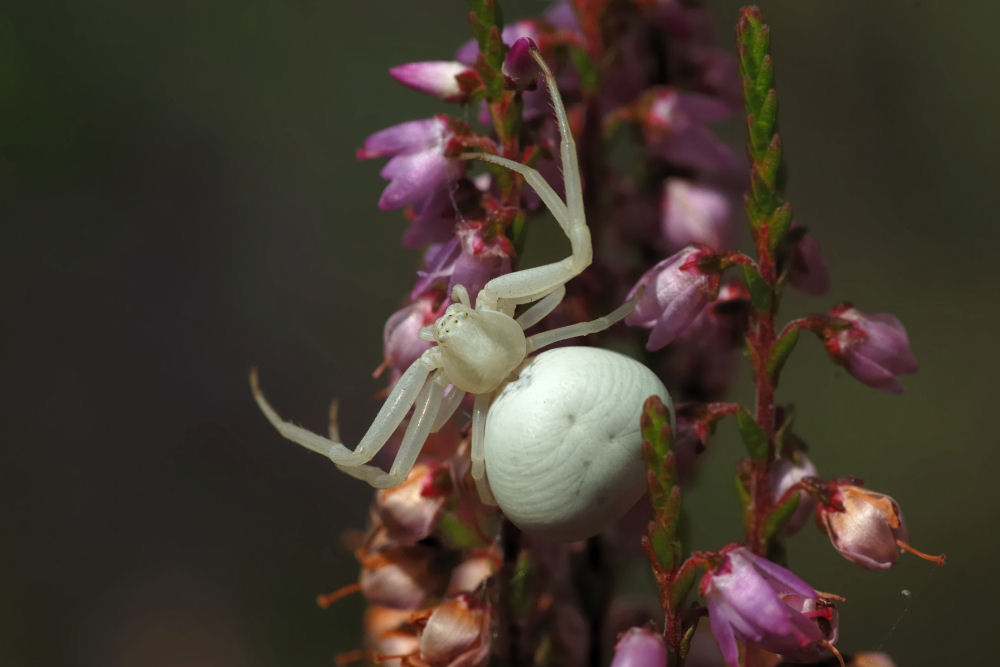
point(180, 201)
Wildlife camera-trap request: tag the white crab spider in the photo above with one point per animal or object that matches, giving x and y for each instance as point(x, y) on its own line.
point(478, 349)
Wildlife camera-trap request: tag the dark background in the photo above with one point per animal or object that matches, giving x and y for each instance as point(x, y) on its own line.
point(180, 200)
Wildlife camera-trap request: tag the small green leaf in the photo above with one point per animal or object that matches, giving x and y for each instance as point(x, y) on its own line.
point(458, 533)
point(663, 547)
point(654, 424)
point(753, 436)
point(780, 351)
point(779, 224)
point(744, 493)
point(681, 586)
point(760, 291)
point(777, 517)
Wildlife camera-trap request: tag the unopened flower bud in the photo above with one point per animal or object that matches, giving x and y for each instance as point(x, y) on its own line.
point(675, 127)
point(519, 68)
point(866, 527)
point(786, 473)
point(640, 647)
point(693, 213)
point(456, 632)
point(874, 348)
point(808, 271)
point(438, 78)
point(401, 344)
point(676, 291)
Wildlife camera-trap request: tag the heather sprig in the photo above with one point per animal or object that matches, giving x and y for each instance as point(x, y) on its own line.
point(453, 582)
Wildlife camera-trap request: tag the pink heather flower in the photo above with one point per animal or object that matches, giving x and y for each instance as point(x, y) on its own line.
point(866, 527)
point(874, 349)
point(412, 510)
point(786, 473)
point(676, 291)
point(519, 69)
point(754, 600)
point(418, 166)
point(808, 271)
point(640, 647)
point(469, 259)
point(693, 213)
point(401, 343)
point(675, 127)
point(436, 78)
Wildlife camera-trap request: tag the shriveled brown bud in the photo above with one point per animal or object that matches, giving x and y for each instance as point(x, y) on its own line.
point(402, 577)
point(456, 633)
point(412, 510)
point(866, 527)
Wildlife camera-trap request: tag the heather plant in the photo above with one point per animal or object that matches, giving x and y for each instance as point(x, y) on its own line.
point(449, 579)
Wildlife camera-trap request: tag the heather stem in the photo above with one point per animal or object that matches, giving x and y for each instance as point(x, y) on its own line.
point(769, 218)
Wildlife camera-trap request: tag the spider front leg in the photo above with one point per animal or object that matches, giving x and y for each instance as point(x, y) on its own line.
point(414, 386)
point(425, 414)
point(506, 292)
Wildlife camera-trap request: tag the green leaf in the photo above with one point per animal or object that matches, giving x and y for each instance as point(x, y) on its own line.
point(780, 351)
point(744, 493)
point(760, 292)
point(777, 517)
point(654, 425)
point(753, 436)
point(681, 586)
point(458, 533)
point(779, 224)
point(663, 547)
point(486, 24)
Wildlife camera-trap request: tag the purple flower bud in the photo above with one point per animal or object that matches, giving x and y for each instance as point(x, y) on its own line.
point(808, 271)
point(640, 647)
point(511, 33)
point(470, 259)
point(693, 213)
point(675, 127)
point(401, 343)
point(874, 349)
point(754, 600)
point(519, 67)
point(436, 78)
point(786, 473)
point(676, 291)
point(418, 166)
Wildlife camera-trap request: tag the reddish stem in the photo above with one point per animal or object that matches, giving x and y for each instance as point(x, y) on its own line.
point(762, 337)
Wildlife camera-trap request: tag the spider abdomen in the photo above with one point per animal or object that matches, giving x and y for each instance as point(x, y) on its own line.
point(563, 448)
